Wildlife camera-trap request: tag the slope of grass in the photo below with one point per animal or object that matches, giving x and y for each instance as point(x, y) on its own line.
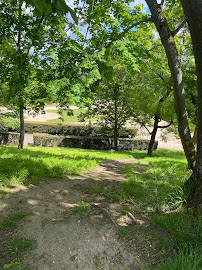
point(154, 182)
point(36, 163)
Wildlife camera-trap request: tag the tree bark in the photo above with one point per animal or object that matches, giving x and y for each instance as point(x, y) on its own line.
point(168, 42)
point(115, 137)
point(193, 15)
point(153, 135)
point(156, 121)
point(115, 118)
point(22, 129)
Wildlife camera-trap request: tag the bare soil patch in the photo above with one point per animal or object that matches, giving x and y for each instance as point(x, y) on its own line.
point(107, 235)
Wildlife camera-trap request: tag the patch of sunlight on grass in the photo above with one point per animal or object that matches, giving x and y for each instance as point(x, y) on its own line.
point(36, 163)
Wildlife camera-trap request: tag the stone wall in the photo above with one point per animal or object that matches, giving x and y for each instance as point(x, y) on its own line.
point(90, 142)
point(98, 143)
point(9, 138)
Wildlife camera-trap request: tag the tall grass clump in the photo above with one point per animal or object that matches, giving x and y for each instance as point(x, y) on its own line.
point(158, 179)
point(185, 259)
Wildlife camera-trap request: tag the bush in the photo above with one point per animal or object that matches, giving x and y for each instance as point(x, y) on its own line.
point(9, 126)
point(94, 131)
point(85, 142)
point(123, 133)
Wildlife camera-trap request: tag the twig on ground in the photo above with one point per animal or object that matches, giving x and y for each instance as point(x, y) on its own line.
point(106, 213)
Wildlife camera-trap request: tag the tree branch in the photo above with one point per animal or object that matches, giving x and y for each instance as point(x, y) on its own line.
point(159, 75)
point(169, 89)
point(141, 123)
point(171, 122)
point(86, 33)
point(162, 2)
point(174, 33)
point(40, 22)
point(127, 30)
point(93, 2)
point(19, 32)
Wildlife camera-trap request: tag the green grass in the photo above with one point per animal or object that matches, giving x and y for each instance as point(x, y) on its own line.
point(11, 222)
point(83, 208)
point(35, 163)
point(12, 253)
point(125, 232)
point(17, 245)
point(155, 182)
point(70, 118)
point(186, 227)
point(13, 248)
point(185, 259)
point(154, 186)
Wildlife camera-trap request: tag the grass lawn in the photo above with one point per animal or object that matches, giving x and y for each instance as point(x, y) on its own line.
point(70, 119)
point(35, 163)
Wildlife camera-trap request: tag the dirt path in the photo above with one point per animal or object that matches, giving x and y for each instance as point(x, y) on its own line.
point(67, 240)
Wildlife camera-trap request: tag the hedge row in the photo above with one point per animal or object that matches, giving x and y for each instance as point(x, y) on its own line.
point(65, 130)
point(103, 143)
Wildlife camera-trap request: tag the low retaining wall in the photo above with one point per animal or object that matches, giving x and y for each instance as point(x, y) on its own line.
point(90, 142)
point(46, 140)
point(9, 138)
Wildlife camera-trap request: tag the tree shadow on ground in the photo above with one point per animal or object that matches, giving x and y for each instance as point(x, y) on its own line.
point(30, 166)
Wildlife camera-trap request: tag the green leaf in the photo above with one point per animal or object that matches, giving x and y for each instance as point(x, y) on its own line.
point(61, 4)
point(73, 14)
point(38, 5)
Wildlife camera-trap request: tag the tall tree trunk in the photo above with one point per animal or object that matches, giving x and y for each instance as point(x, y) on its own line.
point(194, 138)
point(193, 15)
point(156, 122)
point(115, 137)
point(22, 128)
point(115, 118)
point(168, 42)
point(21, 110)
point(153, 135)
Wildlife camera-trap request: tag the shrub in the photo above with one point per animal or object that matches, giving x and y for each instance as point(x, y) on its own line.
point(81, 130)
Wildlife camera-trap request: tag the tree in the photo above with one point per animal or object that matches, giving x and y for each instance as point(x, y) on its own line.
point(113, 98)
point(27, 51)
point(113, 20)
point(193, 14)
point(167, 39)
point(154, 85)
